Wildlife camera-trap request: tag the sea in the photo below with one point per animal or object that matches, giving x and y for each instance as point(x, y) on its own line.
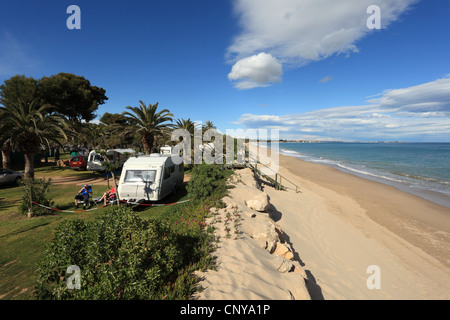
point(422, 169)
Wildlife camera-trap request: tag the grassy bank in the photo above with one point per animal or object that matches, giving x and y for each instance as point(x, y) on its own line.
point(23, 241)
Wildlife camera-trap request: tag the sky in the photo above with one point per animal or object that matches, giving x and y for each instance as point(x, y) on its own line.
point(312, 69)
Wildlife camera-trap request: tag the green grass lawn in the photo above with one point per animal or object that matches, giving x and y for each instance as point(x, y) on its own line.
point(23, 240)
point(49, 171)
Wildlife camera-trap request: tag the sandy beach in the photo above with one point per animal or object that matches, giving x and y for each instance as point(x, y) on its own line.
point(339, 227)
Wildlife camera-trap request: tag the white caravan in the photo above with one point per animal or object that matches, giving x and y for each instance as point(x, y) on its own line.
point(115, 156)
point(149, 178)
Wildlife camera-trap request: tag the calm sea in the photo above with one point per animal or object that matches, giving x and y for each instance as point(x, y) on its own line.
point(422, 169)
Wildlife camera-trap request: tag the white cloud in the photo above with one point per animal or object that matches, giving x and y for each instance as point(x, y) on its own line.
point(297, 32)
point(418, 113)
point(428, 97)
point(256, 71)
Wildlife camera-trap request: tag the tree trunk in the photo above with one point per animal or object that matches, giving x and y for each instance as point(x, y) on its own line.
point(147, 142)
point(46, 157)
point(115, 187)
point(6, 153)
point(29, 165)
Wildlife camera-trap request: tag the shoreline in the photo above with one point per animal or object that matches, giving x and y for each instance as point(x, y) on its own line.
point(436, 197)
point(342, 215)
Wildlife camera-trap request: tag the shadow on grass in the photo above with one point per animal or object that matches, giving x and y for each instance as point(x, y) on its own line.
point(179, 196)
point(7, 204)
point(70, 206)
point(67, 172)
point(24, 230)
point(10, 198)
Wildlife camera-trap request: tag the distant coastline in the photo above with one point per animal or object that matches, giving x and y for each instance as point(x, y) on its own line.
point(408, 175)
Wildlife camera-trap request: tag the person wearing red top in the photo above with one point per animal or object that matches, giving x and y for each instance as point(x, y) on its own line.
point(108, 196)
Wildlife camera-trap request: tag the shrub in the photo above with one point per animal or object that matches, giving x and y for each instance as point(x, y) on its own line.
point(187, 221)
point(120, 257)
point(206, 180)
point(35, 190)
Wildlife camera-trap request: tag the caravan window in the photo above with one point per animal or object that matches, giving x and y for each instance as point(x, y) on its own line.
point(140, 176)
point(96, 157)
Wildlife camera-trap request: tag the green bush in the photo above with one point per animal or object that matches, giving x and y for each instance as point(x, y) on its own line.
point(35, 190)
point(187, 221)
point(120, 257)
point(206, 180)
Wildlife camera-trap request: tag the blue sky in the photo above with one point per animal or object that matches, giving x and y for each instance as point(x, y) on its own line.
point(311, 69)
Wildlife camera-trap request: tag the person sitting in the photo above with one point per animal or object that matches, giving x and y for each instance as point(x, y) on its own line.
point(83, 195)
point(108, 196)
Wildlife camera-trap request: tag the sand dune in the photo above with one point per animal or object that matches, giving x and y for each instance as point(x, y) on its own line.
point(339, 227)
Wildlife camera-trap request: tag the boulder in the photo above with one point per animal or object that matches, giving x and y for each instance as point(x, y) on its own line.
point(297, 287)
point(299, 270)
point(271, 246)
point(280, 232)
point(259, 202)
point(263, 230)
point(283, 251)
point(283, 265)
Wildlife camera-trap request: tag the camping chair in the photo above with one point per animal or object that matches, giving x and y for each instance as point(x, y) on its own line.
point(109, 200)
point(89, 193)
point(112, 199)
point(90, 200)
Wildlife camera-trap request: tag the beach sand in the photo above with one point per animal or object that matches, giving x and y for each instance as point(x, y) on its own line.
point(339, 226)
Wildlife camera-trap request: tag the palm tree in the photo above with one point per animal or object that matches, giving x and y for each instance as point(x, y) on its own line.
point(6, 152)
point(150, 123)
point(93, 135)
point(188, 125)
point(193, 129)
point(208, 125)
point(30, 127)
